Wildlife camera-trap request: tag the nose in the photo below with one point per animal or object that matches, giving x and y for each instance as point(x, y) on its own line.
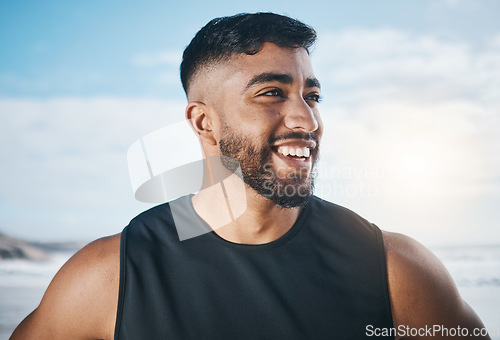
point(300, 116)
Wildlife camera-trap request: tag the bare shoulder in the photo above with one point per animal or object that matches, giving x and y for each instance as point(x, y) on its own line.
point(81, 300)
point(422, 291)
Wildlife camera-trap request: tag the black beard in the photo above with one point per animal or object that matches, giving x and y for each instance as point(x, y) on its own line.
point(256, 168)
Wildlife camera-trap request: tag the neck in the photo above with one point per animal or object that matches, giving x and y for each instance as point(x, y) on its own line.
point(239, 215)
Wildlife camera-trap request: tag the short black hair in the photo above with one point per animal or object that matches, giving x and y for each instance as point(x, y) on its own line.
point(242, 33)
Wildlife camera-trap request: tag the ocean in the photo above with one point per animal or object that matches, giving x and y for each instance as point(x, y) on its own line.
point(476, 270)
point(22, 284)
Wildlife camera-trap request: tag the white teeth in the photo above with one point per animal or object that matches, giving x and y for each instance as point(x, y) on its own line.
point(284, 150)
point(307, 152)
point(294, 151)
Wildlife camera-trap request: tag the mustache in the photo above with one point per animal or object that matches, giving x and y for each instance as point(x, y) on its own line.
point(295, 135)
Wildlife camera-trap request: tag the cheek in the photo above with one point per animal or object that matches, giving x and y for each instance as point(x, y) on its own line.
point(257, 125)
point(254, 120)
point(267, 121)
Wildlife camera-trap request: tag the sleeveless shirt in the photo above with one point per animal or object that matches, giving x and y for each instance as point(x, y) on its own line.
point(325, 278)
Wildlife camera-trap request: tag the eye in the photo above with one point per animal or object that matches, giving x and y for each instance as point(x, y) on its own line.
point(273, 93)
point(315, 97)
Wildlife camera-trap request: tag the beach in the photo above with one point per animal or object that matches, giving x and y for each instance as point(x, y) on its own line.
point(22, 284)
point(475, 269)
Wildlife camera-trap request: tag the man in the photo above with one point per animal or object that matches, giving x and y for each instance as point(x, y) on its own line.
point(285, 265)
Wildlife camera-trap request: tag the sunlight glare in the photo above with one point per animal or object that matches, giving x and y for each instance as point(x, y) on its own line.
point(414, 164)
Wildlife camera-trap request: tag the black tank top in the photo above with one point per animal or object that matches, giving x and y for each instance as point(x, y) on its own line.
point(324, 279)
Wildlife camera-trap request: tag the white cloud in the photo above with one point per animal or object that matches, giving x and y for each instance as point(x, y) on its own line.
point(171, 58)
point(422, 114)
point(391, 98)
point(420, 67)
point(494, 42)
point(67, 157)
point(395, 86)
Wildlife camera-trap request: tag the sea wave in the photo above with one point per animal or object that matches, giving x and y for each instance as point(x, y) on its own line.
point(28, 273)
point(472, 266)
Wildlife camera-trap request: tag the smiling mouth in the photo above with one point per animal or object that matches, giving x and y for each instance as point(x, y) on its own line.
point(297, 153)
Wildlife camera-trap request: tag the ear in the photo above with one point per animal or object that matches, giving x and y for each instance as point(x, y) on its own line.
point(200, 121)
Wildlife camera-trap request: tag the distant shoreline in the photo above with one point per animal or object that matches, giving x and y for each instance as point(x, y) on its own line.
point(12, 248)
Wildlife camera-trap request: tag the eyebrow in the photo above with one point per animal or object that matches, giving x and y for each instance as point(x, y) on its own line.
point(279, 77)
point(313, 82)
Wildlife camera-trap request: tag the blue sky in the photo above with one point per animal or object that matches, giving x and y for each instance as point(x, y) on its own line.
point(411, 109)
point(87, 48)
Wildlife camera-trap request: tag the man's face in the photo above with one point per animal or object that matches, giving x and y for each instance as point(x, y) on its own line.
point(270, 122)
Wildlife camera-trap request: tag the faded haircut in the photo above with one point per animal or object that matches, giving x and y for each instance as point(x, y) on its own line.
point(242, 33)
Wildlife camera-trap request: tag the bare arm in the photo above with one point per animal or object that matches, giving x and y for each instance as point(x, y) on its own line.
point(81, 300)
point(422, 291)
